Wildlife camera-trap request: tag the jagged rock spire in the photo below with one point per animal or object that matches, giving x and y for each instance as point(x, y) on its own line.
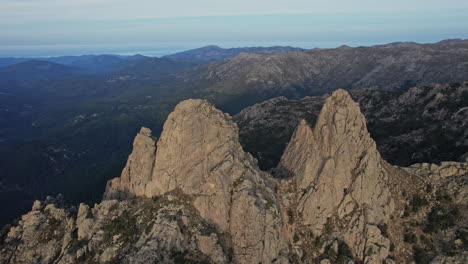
point(339, 174)
point(137, 172)
point(199, 154)
point(214, 204)
point(340, 137)
point(336, 166)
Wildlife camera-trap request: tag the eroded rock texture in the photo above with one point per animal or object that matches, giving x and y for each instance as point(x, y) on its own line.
point(199, 154)
point(195, 196)
point(341, 178)
point(138, 170)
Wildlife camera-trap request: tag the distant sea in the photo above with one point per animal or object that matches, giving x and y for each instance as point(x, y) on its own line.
point(37, 51)
point(155, 50)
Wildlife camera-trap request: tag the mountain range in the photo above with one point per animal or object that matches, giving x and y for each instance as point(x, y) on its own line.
point(215, 53)
point(74, 129)
point(393, 67)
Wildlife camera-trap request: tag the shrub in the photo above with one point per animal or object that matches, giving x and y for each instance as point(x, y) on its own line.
point(76, 244)
point(269, 202)
point(295, 238)
point(383, 229)
point(442, 196)
point(329, 227)
point(406, 211)
point(343, 250)
point(4, 232)
point(420, 255)
point(418, 202)
point(148, 228)
point(441, 218)
point(290, 216)
point(124, 225)
point(429, 188)
point(410, 237)
point(318, 242)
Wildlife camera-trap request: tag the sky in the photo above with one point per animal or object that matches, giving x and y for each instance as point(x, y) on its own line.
point(31, 28)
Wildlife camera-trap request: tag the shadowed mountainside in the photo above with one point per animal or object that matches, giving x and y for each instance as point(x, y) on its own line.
point(423, 124)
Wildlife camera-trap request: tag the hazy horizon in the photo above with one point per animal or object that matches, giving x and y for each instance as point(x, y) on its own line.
point(45, 28)
point(163, 51)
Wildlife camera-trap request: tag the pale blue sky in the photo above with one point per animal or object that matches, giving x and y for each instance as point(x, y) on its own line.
point(66, 27)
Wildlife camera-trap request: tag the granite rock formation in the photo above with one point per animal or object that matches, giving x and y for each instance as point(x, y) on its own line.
point(341, 178)
point(138, 170)
point(195, 196)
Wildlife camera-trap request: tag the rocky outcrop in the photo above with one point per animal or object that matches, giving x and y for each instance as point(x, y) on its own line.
point(138, 170)
point(195, 196)
point(423, 124)
point(340, 177)
point(199, 154)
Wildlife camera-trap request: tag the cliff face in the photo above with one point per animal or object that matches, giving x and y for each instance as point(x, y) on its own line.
point(195, 196)
point(199, 154)
point(137, 172)
point(341, 178)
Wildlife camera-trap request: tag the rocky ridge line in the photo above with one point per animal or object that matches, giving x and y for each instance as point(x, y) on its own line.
point(196, 196)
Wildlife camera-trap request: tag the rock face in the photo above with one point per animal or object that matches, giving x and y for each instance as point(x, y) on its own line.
point(199, 154)
point(137, 173)
point(340, 177)
point(195, 196)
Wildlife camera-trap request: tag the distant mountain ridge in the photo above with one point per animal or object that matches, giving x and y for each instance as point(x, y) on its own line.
point(36, 69)
point(109, 62)
point(151, 67)
point(74, 132)
point(214, 53)
point(392, 67)
point(90, 63)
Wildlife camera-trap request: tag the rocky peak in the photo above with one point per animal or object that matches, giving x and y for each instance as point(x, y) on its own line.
point(196, 141)
point(196, 138)
point(199, 154)
point(210, 202)
point(340, 177)
point(340, 137)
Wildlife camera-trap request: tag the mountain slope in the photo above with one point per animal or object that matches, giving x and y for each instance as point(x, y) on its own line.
point(97, 64)
point(90, 63)
point(152, 67)
point(215, 53)
point(393, 67)
point(195, 196)
point(35, 69)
